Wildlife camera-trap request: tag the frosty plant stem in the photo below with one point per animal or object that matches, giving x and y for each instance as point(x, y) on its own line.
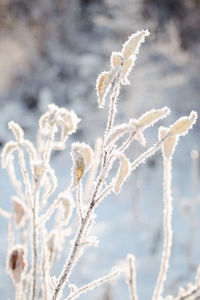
point(167, 230)
point(31, 208)
point(171, 135)
point(73, 257)
point(37, 187)
point(113, 104)
point(132, 277)
point(93, 284)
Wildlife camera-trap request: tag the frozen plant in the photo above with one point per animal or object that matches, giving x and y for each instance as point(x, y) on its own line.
point(33, 205)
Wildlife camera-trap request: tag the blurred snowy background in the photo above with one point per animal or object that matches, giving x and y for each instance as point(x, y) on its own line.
point(52, 51)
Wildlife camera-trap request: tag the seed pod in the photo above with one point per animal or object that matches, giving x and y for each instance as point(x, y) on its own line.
point(123, 172)
point(16, 263)
point(82, 156)
point(183, 124)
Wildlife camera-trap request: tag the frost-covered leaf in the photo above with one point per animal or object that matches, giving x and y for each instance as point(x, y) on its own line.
point(126, 69)
point(132, 45)
point(152, 116)
point(116, 59)
point(103, 85)
point(182, 125)
point(169, 144)
point(82, 156)
point(123, 172)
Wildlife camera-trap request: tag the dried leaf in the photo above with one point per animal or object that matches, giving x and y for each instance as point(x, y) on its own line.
point(123, 172)
point(103, 85)
point(67, 204)
point(152, 116)
point(127, 67)
point(133, 43)
point(19, 210)
point(82, 156)
point(169, 144)
point(182, 126)
point(116, 59)
point(16, 263)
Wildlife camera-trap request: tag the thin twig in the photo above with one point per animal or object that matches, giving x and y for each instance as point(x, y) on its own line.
point(104, 193)
point(143, 157)
point(167, 231)
point(45, 216)
point(75, 250)
point(79, 200)
point(46, 159)
point(92, 285)
point(27, 184)
point(125, 145)
point(4, 213)
point(132, 277)
point(113, 109)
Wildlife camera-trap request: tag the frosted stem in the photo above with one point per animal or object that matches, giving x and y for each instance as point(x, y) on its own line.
point(167, 231)
point(113, 107)
point(34, 249)
point(127, 142)
point(27, 184)
point(142, 158)
point(79, 200)
point(132, 277)
point(82, 231)
point(37, 187)
point(92, 285)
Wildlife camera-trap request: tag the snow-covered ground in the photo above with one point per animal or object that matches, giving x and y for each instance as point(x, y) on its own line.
point(132, 221)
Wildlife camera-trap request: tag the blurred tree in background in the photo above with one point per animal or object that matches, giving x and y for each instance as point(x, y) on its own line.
point(185, 15)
